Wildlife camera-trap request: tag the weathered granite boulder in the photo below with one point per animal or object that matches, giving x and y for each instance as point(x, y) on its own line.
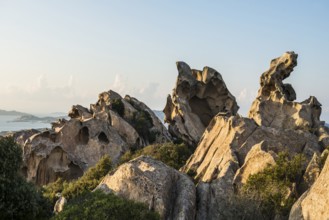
point(162, 188)
point(233, 148)
point(313, 204)
point(197, 97)
point(111, 126)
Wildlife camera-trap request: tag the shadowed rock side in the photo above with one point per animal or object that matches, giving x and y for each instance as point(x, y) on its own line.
point(162, 188)
point(197, 97)
point(313, 204)
point(111, 126)
point(232, 148)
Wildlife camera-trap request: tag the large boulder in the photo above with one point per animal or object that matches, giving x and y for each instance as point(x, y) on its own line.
point(197, 97)
point(232, 149)
point(110, 127)
point(161, 188)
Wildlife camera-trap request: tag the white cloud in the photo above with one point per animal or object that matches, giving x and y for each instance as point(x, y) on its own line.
point(41, 95)
point(147, 93)
point(119, 84)
point(242, 95)
point(246, 95)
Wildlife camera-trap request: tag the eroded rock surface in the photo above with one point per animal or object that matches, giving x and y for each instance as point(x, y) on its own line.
point(275, 106)
point(110, 127)
point(162, 188)
point(197, 97)
point(313, 204)
point(232, 147)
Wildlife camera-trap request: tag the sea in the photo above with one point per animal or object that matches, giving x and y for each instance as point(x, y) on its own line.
point(6, 124)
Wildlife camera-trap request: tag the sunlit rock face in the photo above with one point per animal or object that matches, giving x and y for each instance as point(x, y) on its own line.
point(197, 97)
point(160, 187)
point(275, 106)
point(233, 147)
point(110, 127)
point(313, 204)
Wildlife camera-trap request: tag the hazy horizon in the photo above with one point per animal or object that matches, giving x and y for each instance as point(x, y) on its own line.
point(54, 55)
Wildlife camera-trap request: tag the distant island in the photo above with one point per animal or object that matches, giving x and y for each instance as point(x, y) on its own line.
point(32, 118)
point(12, 113)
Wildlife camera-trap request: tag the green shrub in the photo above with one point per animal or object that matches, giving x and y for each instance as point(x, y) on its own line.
point(51, 189)
point(273, 188)
point(142, 122)
point(98, 205)
point(171, 154)
point(18, 198)
point(87, 182)
point(118, 107)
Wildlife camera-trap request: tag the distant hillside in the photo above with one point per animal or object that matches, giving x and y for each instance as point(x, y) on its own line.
point(32, 118)
point(4, 112)
point(159, 114)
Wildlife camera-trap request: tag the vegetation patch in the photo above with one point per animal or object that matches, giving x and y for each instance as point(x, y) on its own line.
point(87, 182)
point(18, 198)
point(171, 154)
point(142, 122)
point(98, 205)
point(118, 107)
point(273, 189)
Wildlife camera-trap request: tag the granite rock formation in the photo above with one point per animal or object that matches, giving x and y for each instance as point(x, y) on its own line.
point(232, 148)
point(197, 97)
point(111, 126)
point(162, 188)
point(275, 104)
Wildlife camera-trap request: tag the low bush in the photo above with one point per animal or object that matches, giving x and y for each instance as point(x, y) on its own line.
point(273, 189)
point(98, 205)
point(87, 182)
point(171, 154)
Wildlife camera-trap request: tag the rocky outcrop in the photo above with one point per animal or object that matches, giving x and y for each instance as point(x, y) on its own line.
point(232, 147)
point(110, 127)
point(313, 204)
point(275, 106)
point(161, 188)
point(197, 97)
point(21, 136)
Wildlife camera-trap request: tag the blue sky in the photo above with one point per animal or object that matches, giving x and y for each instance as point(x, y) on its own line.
point(54, 54)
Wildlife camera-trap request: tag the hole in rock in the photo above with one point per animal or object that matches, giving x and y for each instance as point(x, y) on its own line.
point(103, 138)
point(201, 108)
point(83, 136)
